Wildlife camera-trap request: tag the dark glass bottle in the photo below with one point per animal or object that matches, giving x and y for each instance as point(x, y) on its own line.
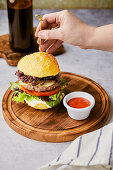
point(20, 16)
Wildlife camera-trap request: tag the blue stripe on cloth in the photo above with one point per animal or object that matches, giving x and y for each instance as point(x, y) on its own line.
point(97, 145)
point(69, 162)
point(56, 168)
point(58, 158)
point(79, 145)
point(111, 150)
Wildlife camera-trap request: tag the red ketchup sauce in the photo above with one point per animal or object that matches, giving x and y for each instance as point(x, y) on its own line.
point(79, 102)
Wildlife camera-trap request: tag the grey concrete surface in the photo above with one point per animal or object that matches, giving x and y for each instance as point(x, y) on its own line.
point(20, 153)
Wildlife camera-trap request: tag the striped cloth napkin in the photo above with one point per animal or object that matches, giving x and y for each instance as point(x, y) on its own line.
point(92, 151)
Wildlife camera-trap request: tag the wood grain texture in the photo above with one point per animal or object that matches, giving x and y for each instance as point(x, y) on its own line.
point(54, 125)
point(11, 57)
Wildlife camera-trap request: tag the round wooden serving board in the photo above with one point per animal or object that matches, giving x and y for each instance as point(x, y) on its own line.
point(54, 125)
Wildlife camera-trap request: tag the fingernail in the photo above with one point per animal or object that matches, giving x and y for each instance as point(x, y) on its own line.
point(35, 34)
point(47, 51)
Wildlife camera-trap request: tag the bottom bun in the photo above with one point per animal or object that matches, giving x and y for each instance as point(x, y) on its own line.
point(41, 105)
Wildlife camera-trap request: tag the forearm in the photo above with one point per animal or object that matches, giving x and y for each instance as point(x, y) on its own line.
point(101, 38)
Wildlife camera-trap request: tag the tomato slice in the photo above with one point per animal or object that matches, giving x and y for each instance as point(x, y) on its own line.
point(36, 93)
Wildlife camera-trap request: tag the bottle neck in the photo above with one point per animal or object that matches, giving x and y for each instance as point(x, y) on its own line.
point(19, 4)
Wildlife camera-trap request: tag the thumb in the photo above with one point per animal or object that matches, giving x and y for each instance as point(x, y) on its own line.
point(49, 34)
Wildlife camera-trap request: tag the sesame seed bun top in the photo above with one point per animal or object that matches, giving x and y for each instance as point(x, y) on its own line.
point(39, 65)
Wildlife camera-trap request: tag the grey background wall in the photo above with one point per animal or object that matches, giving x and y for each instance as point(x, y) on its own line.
point(67, 4)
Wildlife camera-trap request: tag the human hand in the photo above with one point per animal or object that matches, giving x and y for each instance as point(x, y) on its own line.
point(70, 29)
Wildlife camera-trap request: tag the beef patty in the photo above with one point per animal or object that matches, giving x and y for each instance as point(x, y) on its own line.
point(48, 85)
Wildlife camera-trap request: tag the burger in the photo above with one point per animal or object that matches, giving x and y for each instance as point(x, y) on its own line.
point(39, 81)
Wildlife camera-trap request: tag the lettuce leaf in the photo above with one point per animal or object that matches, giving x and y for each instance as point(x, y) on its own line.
point(52, 103)
point(21, 97)
point(14, 85)
point(63, 83)
point(55, 99)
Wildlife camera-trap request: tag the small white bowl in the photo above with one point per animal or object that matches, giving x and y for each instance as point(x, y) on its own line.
point(79, 114)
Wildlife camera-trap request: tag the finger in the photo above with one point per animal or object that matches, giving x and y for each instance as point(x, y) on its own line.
point(49, 34)
point(48, 20)
point(45, 26)
point(55, 46)
point(42, 41)
point(47, 44)
point(51, 17)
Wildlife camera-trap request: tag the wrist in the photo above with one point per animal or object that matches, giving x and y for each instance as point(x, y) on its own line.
point(88, 38)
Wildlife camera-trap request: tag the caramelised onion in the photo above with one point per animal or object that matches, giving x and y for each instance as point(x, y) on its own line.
point(35, 80)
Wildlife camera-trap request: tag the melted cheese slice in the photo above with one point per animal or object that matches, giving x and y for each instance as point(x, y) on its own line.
point(46, 84)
